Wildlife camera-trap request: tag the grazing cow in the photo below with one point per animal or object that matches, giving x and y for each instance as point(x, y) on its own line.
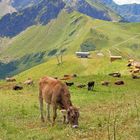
point(81, 86)
point(69, 84)
point(129, 65)
point(16, 87)
point(105, 83)
point(70, 75)
point(66, 78)
point(74, 75)
point(136, 64)
point(8, 79)
point(135, 76)
point(115, 74)
point(56, 93)
point(119, 83)
point(29, 82)
point(91, 85)
point(136, 70)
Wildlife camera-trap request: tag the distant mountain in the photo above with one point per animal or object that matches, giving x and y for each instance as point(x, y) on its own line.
point(45, 10)
point(93, 9)
point(130, 12)
point(42, 13)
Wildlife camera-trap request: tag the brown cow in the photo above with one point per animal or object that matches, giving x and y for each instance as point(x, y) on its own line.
point(56, 93)
point(8, 79)
point(105, 83)
point(119, 83)
point(29, 82)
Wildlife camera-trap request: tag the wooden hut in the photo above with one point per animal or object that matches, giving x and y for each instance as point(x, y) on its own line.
point(82, 54)
point(114, 58)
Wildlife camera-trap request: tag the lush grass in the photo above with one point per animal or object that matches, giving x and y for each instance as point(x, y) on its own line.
point(20, 112)
point(71, 64)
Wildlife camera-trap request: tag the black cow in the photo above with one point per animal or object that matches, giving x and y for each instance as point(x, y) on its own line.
point(69, 84)
point(135, 77)
point(91, 85)
point(16, 87)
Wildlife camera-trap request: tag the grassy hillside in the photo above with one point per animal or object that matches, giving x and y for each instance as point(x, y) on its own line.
point(70, 33)
point(105, 113)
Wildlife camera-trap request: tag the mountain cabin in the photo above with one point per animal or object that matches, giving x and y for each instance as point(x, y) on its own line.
point(82, 54)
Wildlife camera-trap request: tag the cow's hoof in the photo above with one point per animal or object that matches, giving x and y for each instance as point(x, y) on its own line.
point(75, 126)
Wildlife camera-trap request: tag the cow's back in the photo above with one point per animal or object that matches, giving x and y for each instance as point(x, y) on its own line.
point(54, 91)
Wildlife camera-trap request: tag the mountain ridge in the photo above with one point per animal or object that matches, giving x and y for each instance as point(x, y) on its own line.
point(47, 10)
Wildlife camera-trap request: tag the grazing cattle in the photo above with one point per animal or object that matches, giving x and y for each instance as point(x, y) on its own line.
point(69, 84)
point(135, 76)
point(129, 64)
point(115, 74)
point(8, 79)
point(136, 70)
point(56, 94)
point(119, 83)
point(105, 83)
point(74, 75)
point(17, 87)
point(81, 86)
point(29, 82)
point(133, 63)
point(91, 85)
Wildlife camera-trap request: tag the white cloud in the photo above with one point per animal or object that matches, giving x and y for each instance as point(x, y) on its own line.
point(127, 1)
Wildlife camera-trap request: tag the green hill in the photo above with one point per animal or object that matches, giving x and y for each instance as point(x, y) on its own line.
point(70, 33)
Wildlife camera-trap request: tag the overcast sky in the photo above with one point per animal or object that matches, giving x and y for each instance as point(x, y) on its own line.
point(127, 1)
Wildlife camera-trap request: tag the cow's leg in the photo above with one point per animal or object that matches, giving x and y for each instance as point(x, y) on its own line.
point(48, 112)
point(92, 88)
point(41, 108)
point(54, 114)
point(64, 117)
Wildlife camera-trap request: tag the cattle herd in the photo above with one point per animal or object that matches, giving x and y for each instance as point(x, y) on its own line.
point(55, 92)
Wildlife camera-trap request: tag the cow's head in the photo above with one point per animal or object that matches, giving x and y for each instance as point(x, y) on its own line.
point(73, 116)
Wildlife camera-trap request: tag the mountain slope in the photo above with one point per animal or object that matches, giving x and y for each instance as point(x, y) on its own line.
point(130, 12)
point(69, 33)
